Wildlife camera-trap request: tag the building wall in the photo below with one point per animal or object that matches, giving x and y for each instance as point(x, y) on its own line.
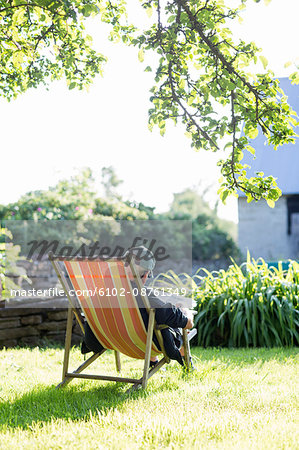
point(263, 230)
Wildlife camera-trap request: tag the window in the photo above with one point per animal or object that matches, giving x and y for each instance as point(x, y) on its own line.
point(293, 213)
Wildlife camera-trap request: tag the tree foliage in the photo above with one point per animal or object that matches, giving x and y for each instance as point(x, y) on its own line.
point(191, 203)
point(111, 182)
point(44, 40)
point(203, 78)
point(203, 81)
point(73, 199)
point(77, 201)
point(211, 236)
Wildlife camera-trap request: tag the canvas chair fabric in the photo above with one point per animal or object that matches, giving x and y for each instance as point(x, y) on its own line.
point(115, 318)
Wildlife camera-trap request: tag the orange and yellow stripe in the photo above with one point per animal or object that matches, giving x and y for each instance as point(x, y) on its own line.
point(115, 320)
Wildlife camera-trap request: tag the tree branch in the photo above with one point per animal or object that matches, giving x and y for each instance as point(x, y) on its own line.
point(190, 117)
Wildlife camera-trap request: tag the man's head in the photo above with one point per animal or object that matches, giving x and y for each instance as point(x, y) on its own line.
point(143, 258)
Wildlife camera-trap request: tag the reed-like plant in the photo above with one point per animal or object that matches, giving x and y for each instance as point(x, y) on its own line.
point(248, 305)
point(251, 305)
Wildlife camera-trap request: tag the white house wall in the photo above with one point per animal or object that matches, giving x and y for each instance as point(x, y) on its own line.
point(263, 230)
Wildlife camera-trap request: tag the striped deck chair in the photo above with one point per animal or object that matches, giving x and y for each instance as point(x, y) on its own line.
point(114, 318)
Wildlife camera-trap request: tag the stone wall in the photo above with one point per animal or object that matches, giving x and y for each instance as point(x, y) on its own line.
point(263, 231)
point(35, 320)
point(23, 323)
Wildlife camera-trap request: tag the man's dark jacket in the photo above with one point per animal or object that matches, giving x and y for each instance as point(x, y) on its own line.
point(166, 314)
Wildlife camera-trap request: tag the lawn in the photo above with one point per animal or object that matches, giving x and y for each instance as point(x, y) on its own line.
point(245, 399)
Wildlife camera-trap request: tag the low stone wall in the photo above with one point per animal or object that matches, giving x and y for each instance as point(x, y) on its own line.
point(22, 323)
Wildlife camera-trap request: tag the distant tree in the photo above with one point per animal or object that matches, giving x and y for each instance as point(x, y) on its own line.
point(212, 237)
point(74, 202)
point(69, 199)
point(111, 182)
point(148, 210)
point(189, 202)
point(210, 241)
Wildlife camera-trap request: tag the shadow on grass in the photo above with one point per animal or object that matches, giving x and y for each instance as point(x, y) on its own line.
point(77, 402)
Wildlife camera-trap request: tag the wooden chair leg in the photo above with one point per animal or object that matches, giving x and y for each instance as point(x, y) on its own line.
point(83, 366)
point(187, 336)
point(68, 338)
point(186, 349)
point(151, 372)
point(117, 361)
point(148, 347)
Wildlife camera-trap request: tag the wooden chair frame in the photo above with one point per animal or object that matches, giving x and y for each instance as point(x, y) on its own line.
point(152, 328)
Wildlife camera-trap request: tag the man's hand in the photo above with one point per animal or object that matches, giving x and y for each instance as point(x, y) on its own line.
point(190, 323)
point(188, 314)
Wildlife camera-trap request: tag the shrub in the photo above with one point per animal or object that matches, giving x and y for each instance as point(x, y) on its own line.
point(212, 238)
point(209, 241)
point(9, 270)
point(250, 305)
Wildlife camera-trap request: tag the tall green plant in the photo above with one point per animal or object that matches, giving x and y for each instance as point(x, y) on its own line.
point(249, 305)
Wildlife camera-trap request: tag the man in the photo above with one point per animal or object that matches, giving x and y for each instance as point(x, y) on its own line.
point(166, 313)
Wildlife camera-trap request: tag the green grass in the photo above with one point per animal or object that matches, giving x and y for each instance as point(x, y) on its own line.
point(243, 398)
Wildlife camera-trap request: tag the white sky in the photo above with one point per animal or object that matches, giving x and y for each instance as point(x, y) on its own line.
point(46, 135)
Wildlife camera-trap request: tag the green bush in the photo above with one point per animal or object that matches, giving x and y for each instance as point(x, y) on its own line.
point(9, 270)
point(75, 203)
point(209, 241)
point(76, 200)
point(251, 305)
point(73, 199)
point(212, 238)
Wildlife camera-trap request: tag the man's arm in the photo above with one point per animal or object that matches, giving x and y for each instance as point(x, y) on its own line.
point(173, 316)
point(189, 315)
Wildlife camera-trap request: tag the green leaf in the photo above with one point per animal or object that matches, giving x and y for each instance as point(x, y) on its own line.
point(252, 133)
point(19, 16)
point(17, 58)
point(250, 149)
point(249, 198)
point(295, 78)
point(141, 55)
point(264, 61)
point(149, 12)
point(271, 203)
point(239, 156)
point(182, 83)
point(224, 195)
point(190, 100)
point(228, 145)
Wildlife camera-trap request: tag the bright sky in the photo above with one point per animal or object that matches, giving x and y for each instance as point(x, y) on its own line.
point(46, 135)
